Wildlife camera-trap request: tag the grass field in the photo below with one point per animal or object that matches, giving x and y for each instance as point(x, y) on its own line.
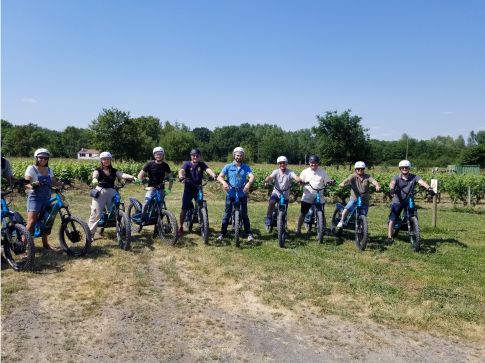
point(440, 290)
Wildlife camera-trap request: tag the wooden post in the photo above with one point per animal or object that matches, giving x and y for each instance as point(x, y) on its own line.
point(469, 197)
point(434, 185)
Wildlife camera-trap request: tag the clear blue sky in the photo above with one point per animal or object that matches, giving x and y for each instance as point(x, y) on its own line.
point(415, 67)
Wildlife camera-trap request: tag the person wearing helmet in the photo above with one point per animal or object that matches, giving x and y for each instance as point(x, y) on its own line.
point(239, 175)
point(104, 178)
point(316, 177)
point(193, 172)
point(402, 186)
point(359, 183)
point(39, 180)
point(282, 179)
point(156, 170)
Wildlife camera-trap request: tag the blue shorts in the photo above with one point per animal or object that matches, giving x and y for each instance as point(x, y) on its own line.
point(353, 203)
point(36, 203)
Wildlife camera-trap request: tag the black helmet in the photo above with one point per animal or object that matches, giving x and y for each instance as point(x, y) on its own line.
point(313, 159)
point(195, 152)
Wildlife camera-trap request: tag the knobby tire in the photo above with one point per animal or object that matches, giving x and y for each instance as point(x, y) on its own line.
point(19, 254)
point(123, 230)
point(132, 211)
point(361, 232)
point(320, 226)
point(167, 227)
point(281, 228)
point(204, 224)
point(237, 227)
point(74, 236)
point(414, 233)
point(337, 215)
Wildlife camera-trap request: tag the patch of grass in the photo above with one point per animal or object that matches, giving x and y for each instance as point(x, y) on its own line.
point(440, 289)
point(10, 291)
point(472, 210)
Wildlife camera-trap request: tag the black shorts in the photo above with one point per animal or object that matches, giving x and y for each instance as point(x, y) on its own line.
point(305, 207)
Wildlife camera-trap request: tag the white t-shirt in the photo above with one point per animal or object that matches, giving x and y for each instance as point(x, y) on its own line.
point(31, 172)
point(317, 180)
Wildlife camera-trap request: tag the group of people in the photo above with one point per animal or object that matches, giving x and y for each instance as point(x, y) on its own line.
point(314, 179)
point(235, 177)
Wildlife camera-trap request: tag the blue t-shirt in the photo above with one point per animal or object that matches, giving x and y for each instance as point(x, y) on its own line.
point(236, 176)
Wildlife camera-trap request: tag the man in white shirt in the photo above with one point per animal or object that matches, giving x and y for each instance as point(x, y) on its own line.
point(317, 178)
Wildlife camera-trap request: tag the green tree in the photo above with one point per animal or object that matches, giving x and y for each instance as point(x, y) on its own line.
point(474, 155)
point(7, 127)
point(225, 139)
point(303, 144)
point(22, 140)
point(143, 132)
point(202, 134)
point(177, 144)
point(108, 132)
point(72, 139)
point(272, 145)
point(341, 139)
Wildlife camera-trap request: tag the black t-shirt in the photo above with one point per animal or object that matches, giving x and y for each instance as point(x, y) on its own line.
point(156, 172)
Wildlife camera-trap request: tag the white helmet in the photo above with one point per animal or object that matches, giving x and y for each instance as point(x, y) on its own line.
point(282, 159)
point(359, 164)
point(105, 154)
point(41, 151)
point(404, 163)
point(238, 150)
point(158, 149)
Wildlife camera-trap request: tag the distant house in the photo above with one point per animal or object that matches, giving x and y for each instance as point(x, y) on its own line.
point(88, 154)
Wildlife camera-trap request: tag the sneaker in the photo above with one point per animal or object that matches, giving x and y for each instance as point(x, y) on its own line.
point(390, 240)
point(340, 224)
point(250, 238)
point(297, 232)
point(267, 221)
point(180, 232)
point(219, 238)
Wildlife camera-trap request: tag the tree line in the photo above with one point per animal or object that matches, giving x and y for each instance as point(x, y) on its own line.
point(338, 138)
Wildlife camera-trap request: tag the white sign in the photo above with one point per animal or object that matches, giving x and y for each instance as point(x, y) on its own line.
point(434, 185)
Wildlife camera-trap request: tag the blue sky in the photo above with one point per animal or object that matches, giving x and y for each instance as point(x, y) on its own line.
point(415, 67)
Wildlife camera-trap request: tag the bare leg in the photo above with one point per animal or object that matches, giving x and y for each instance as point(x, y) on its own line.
point(390, 229)
point(344, 214)
point(301, 218)
point(31, 220)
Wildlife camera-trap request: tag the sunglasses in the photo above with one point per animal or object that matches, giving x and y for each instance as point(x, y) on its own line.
point(43, 157)
point(359, 168)
point(404, 167)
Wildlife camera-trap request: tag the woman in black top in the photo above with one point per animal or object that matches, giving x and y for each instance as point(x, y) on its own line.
point(104, 179)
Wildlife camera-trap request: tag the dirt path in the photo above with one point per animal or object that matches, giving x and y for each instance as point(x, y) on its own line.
point(187, 318)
